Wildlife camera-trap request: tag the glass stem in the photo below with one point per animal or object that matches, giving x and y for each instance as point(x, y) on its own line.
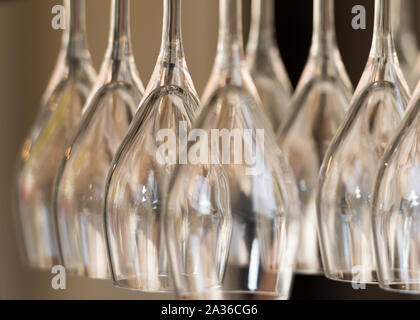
point(74, 41)
point(230, 52)
point(119, 45)
point(171, 49)
point(383, 42)
point(262, 25)
point(323, 37)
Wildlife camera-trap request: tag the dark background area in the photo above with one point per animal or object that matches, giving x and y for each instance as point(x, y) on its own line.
point(294, 30)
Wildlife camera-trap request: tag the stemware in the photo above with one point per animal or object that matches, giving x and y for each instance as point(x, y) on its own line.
point(317, 110)
point(324, 43)
point(405, 40)
point(135, 186)
point(349, 166)
point(265, 64)
point(61, 112)
point(396, 207)
point(231, 216)
point(80, 185)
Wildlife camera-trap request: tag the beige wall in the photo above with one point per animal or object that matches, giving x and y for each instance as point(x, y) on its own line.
point(28, 49)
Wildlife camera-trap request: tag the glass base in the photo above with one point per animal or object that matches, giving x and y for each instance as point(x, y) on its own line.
point(309, 272)
point(85, 273)
point(311, 266)
point(402, 281)
point(231, 291)
point(400, 287)
point(161, 284)
point(365, 277)
point(233, 295)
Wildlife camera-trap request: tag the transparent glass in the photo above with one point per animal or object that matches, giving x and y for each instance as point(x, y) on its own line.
point(396, 207)
point(135, 187)
point(265, 64)
point(349, 166)
point(80, 185)
point(317, 110)
point(406, 40)
point(60, 113)
point(232, 216)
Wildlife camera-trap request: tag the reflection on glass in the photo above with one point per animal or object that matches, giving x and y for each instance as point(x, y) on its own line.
point(232, 218)
point(396, 207)
point(61, 112)
point(135, 186)
point(79, 194)
point(317, 110)
point(406, 40)
point(265, 64)
point(349, 167)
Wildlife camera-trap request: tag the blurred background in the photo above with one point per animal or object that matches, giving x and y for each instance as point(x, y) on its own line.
point(28, 50)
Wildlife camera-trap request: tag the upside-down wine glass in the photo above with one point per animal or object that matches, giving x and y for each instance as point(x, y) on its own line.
point(231, 216)
point(265, 64)
point(349, 167)
point(396, 207)
point(79, 193)
point(61, 111)
point(135, 185)
point(317, 111)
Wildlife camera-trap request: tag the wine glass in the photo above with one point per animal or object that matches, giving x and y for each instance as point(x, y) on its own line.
point(135, 185)
point(265, 64)
point(349, 166)
point(395, 207)
point(231, 215)
point(61, 111)
point(80, 185)
point(317, 110)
